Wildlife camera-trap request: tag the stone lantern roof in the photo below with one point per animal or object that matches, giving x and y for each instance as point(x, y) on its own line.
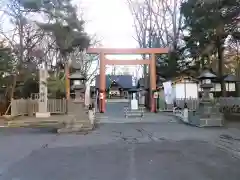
point(77, 76)
point(206, 74)
point(230, 78)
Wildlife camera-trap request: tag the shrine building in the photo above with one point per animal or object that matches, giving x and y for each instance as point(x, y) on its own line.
point(117, 86)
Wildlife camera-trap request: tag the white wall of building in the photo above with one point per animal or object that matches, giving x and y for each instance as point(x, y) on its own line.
point(188, 90)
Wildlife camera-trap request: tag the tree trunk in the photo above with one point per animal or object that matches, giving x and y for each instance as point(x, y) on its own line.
point(67, 80)
point(238, 71)
point(20, 55)
point(220, 66)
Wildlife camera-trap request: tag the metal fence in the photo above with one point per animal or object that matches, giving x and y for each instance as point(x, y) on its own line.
point(230, 101)
point(30, 106)
point(229, 104)
point(192, 104)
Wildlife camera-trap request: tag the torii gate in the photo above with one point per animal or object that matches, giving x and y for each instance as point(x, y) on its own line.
point(131, 51)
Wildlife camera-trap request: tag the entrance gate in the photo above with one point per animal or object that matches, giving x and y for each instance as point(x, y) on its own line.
point(130, 51)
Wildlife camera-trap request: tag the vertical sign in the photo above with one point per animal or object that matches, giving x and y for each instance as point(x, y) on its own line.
point(42, 89)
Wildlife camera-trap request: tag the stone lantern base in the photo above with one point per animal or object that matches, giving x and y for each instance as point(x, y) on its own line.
point(43, 114)
point(208, 115)
point(79, 93)
point(78, 119)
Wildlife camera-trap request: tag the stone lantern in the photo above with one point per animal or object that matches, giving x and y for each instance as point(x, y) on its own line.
point(208, 112)
point(230, 80)
point(81, 119)
point(78, 87)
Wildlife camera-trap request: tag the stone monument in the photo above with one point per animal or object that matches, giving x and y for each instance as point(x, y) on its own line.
point(134, 101)
point(133, 110)
point(43, 91)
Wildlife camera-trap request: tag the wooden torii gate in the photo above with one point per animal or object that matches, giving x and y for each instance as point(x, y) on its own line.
point(129, 51)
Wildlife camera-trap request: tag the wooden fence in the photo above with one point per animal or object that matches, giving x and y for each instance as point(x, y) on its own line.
point(30, 106)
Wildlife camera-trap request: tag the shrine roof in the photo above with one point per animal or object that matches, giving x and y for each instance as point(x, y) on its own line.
point(125, 81)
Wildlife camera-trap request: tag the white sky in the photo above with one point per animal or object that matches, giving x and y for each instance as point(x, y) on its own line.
point(112, 22)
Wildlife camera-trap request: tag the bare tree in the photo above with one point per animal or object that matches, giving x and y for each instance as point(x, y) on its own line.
point(22, 36)
point(142, 17)
point(114, 69)
point(89, 64)
point(157, 22)
point(232, 55)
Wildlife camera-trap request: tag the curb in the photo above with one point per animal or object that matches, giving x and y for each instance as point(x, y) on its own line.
point(4, 126)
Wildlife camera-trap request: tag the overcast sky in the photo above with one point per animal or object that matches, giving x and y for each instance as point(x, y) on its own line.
point(112, 22)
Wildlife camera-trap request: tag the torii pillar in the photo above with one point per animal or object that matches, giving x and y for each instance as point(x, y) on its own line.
point(102, 84)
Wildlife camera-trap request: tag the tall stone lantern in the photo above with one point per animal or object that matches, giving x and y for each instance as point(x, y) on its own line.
point(78, 80)
point(209, 114)
point(78, 87)
point(81, 119)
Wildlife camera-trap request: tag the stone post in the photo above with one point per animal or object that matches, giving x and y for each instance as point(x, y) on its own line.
point(134, 102)
point(43, 91)
point(185, 113)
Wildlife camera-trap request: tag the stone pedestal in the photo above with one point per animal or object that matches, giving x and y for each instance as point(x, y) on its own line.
point(80, 118)
point(207, 115)
point(134, 102)
point(78, 96)
point(79, 121)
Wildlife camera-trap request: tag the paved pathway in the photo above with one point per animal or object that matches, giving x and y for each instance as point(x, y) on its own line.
point(115, 114)
point(137, 151)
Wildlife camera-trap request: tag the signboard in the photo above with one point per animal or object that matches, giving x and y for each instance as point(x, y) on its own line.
point(101, 96)
point(155, 95)
point(43, 75)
